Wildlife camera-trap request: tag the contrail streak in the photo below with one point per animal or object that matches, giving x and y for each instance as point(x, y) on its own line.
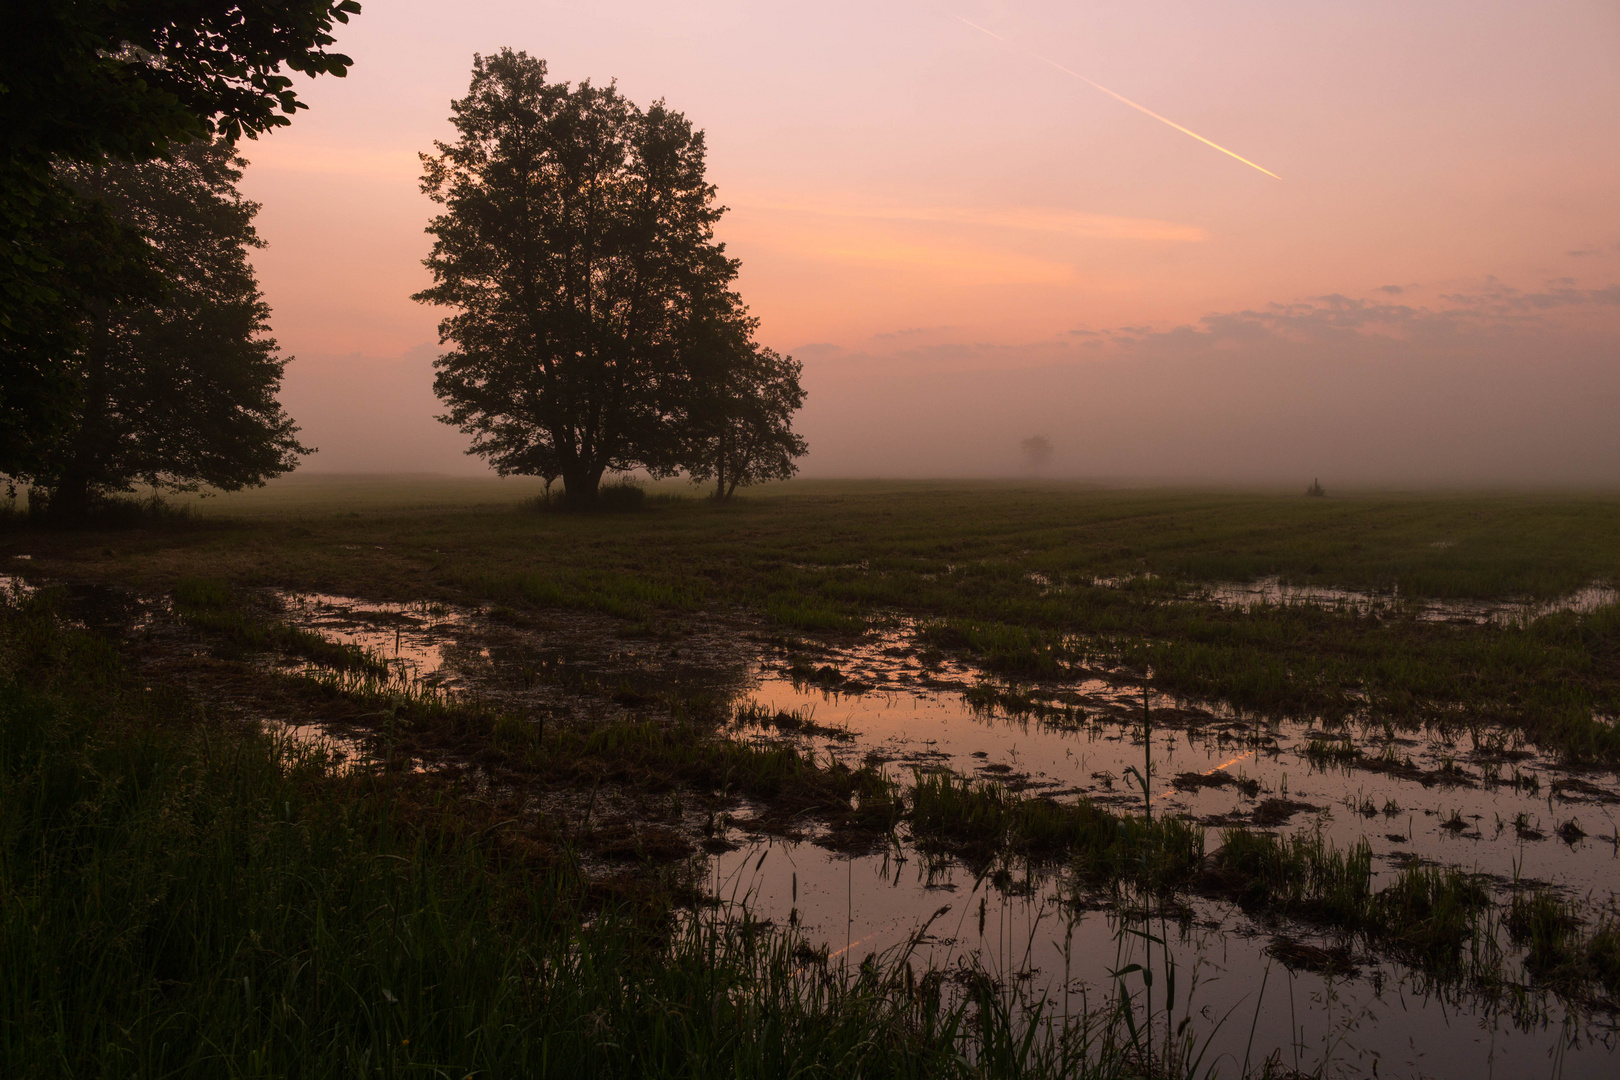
point(1119, 97)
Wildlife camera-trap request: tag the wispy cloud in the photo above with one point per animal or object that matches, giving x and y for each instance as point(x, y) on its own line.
point(1046, 220)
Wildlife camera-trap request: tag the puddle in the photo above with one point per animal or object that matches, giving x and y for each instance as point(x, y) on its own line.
point(1382, 1022)
point(16, 587)
point(1090, 755)
point(1494, 810)
point(1245, 595)
point(411, 638)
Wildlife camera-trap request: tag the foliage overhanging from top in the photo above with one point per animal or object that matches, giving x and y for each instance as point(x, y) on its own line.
point(91, 79)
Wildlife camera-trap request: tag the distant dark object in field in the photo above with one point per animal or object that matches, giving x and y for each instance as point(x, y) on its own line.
point(1037, 451)
point(1316, 490)
point(1273, 812)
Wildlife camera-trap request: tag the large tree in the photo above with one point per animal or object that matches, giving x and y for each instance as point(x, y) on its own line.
point(575, 242)
point(174, 383)
point(81, 80)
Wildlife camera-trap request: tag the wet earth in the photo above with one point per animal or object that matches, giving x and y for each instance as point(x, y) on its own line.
point(1484, 803)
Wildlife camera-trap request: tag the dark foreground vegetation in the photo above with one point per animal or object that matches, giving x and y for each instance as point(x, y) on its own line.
point(184, 897)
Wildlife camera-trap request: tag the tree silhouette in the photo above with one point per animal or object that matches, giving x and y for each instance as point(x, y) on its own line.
point(576, 251)
point(93, 78)
point(739, 403)
point(175, 384)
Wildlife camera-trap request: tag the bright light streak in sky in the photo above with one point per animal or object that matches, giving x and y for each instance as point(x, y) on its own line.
point(1119, 97)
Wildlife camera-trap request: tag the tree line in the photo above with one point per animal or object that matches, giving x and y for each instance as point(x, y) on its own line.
point(592, 324)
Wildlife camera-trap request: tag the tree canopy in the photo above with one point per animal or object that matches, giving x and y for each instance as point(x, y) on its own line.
point(175, 383)
point(82, 80)
point(89, 77)
point(576, 252)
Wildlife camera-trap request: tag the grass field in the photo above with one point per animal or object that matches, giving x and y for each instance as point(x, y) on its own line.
point(188, 896)
point(1008, 573)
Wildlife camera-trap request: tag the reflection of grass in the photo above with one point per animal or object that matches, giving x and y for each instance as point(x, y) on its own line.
point(983, 817)
point(1340, 751)
point(1426, 913)
point(1560, 950)
point(998, 647)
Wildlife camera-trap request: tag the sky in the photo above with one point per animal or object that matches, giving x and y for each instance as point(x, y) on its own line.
point(968, 242)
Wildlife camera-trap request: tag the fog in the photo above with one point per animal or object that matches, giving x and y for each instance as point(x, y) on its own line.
point(1489, 386)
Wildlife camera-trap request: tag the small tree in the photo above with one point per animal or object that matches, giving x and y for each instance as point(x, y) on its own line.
point(176, 384)
point(575, 243)
point(1037, 451)
point(740, 402)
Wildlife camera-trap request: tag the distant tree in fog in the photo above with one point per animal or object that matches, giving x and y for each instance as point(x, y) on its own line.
point(1037, 451)
point(576, 251)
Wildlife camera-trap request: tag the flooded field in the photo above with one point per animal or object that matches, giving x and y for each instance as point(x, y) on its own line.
point(1245, 595)
point(1175, 784)
point(1484, 803)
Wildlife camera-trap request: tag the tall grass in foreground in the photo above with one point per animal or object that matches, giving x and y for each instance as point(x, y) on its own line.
point(181, 898)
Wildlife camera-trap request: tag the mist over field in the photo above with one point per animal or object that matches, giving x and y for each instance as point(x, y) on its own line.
point(1489, 386)
point(1193, 649)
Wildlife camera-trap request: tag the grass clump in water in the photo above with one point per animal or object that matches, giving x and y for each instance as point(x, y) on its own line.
point(1426, 913)
point(219, 611)
point(1559, 950)
point(1006, 649)
point(984, 817)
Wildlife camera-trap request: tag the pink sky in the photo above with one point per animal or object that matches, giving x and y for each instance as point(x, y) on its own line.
point(967, 246)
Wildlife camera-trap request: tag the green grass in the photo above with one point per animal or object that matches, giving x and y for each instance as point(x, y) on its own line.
point(983, 818)
point(230, 620)
point(1002, 573)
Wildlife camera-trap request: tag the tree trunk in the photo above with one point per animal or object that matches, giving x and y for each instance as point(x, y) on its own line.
point(580, 486)
point(69, 499)
point(73, 492)
point(720, 470)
